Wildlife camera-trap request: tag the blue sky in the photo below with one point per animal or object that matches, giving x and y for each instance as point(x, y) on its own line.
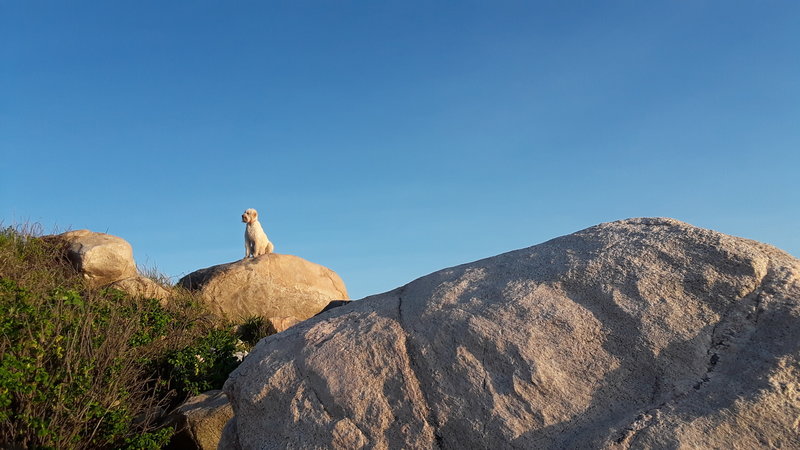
point(389, 139)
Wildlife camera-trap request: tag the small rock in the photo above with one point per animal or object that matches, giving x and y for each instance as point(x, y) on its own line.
point(144, 287)
point(199, 421)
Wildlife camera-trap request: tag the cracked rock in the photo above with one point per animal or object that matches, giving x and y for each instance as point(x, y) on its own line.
point(641, 333)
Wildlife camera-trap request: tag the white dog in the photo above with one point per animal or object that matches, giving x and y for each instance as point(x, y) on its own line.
point(255, 240)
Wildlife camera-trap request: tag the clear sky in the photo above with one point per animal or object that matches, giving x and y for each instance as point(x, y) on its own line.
point(390, 139)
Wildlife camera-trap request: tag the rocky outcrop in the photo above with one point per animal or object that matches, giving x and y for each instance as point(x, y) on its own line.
point(199, 421)
point(271, 285)
point(643, 333)
point(140, 286)
point(106, 260)
point(101, 258)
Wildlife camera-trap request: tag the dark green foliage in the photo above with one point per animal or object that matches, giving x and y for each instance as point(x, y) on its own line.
point(202, 366)
point(154, 322)
point(63, 377)
point(84, 368)
point(254, 329)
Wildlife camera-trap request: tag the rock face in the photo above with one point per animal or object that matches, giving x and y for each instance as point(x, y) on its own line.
point(200, 420)
point(643, 333)
point(101, 258)
point(278, 324)
point(334, 304)
point(271, 285)
point(140, 286)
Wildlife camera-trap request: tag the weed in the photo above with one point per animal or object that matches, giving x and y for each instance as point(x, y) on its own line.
point(95, 368)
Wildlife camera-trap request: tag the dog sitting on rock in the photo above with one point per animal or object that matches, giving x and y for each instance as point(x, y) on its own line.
point(256, 242)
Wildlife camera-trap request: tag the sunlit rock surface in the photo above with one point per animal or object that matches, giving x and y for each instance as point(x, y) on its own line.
point(643, 333)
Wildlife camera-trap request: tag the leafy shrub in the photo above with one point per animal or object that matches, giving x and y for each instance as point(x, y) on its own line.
point(202, 366)
point(254, 329)
point(65, 380)
point(85, 368)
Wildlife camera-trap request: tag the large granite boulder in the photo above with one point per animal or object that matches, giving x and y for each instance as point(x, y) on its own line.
point(643, 333)
point(101, 258)
point(271, 285)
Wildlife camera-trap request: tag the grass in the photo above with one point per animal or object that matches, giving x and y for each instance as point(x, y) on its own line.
point(96, 368)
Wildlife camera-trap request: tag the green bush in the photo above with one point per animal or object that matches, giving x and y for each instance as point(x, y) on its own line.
point(202, 366)
point(254, 329)
point(65, 376)
point(87, 368)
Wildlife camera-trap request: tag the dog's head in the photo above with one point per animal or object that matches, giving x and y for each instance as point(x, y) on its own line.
point(250, 215)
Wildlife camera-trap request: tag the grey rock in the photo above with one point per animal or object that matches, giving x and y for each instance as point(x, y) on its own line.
point(334, 304)
point(642, 333)
point(229, 439)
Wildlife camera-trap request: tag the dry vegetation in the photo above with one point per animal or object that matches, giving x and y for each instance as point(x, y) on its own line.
point(95, 368)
